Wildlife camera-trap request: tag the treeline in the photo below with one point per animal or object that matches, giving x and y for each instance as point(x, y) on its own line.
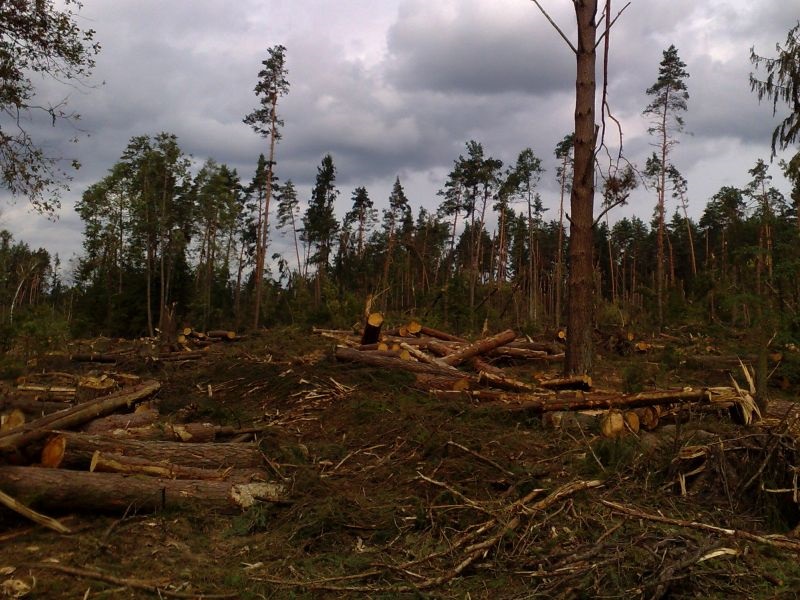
point(161, 242)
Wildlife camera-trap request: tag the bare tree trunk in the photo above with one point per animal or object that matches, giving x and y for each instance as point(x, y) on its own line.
point(580, 346)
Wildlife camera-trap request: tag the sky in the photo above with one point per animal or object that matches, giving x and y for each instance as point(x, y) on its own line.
point(395, 88)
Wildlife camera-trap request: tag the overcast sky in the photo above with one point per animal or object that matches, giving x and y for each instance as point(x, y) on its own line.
point(397, 87)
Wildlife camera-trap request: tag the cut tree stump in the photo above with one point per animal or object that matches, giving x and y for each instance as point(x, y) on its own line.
point(75, 450)
point(77, 490)
point(372, 329)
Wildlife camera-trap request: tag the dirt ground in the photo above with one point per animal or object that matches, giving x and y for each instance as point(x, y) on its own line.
point(395, 494)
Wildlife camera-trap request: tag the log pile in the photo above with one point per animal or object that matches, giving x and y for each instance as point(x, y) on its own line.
point(82, 456)
point(450, 367)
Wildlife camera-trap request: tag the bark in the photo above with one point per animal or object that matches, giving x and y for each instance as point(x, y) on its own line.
point(480, 347)
point(107, 462)
point(94, 357)
point(504, 382)
point(580, 318)
point(368, 358)
point(579, 382)
point(441, 335)
point(539, 403)
point(221, 334)
point(76, 490)
point(111, 423)
point(480, 365)
point(78, 449)
point(76, 416)
point(525, 354)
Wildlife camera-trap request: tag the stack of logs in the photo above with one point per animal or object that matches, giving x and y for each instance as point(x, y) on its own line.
point(82, 456)
point(436, 357)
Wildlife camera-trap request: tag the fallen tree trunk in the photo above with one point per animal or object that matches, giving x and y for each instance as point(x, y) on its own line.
point(441, 335)
point(76, 415)
point(539, 403)
point(75, 450)
point(480, 365)
point(369, 358)
point(107, 462)
point(94, 357)
point(480, 347)
point(105, 425)
point(221, 334)
point(175, 432)
point(32, 406)
point(76, 490)
point(525, 354)
point(504, 382)
point(577, 382)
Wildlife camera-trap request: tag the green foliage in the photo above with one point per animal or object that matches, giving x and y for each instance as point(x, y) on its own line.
point(782, 85)
point(38, 330)
point(615, 456)
point(40, 41)
point(633, 378)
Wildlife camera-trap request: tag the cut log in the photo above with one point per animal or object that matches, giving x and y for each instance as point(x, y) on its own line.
point(75, 490)
point(578, 382)
point(480, 347)
point(478, 364)
point(440, 382)
point(31, 406)
point(648, 417)
point(372, 328)
point(221, 334)
point(504, 382)
point(106, 462)
point(538, 403)
point(525, 354)
point(75, 450)
point(612, 424)
point(440, 348)
point(94, 357)
point(76, 415)
point(180, 355)
point(441, 335)
point(124, 421)
point(49, 392)
point(90, 388)
point(525, 344)
point(373, 359)
point(423, 357)
point(631, 421)
point(11, 420)
point(414, 327)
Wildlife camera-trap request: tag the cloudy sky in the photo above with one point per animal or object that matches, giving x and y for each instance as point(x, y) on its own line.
point(396, 87)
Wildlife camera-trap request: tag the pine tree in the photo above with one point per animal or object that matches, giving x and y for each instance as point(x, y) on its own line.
point(781, 85)
point(272, 84)
point(669, 100)
point(320, 224)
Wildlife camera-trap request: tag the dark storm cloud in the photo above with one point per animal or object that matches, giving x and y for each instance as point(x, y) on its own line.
point(476, 48)
point(397, 88)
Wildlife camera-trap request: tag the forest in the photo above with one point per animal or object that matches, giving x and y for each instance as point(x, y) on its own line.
point(212, 249)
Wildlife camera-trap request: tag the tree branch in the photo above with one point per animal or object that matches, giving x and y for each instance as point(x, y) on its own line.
point(556, 27)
